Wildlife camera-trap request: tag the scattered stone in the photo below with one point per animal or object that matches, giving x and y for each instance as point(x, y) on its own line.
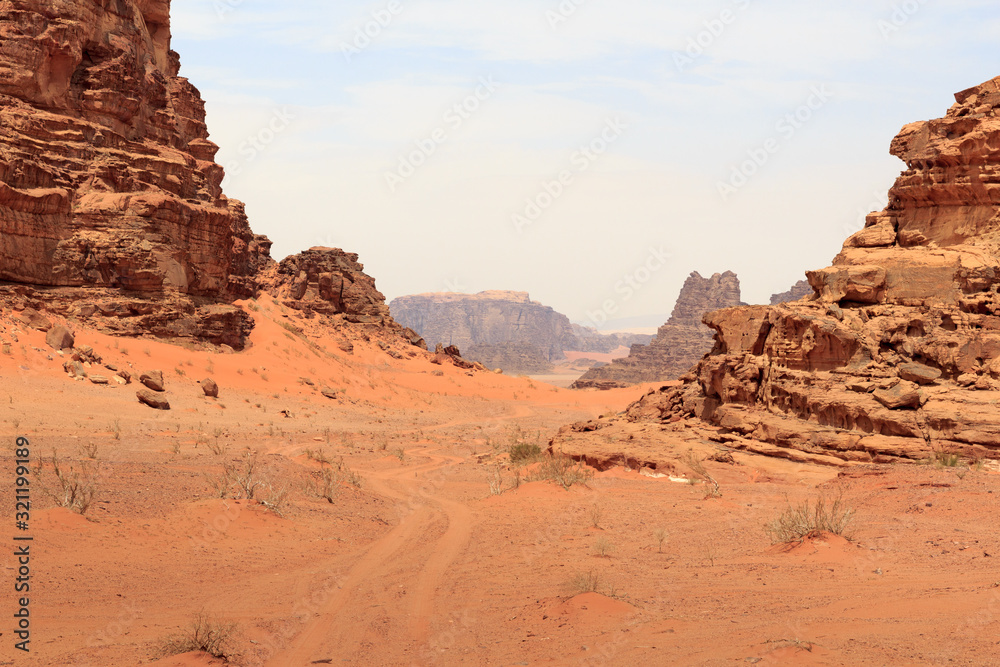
point(99, 379)
point(210, 388)
point(330, 393)
point(75, 369)
point(59, 338)
point(153, 380)
point(156, 401)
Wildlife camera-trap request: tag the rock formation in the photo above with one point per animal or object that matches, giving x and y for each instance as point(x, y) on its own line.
point(799, 290)
point(500, 329)
point(111, 207)
point(678, 344)
point(898, 354)
point(327, 281)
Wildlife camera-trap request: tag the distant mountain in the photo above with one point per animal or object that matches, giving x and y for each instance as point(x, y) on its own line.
point(502, 329)
point(679, 343)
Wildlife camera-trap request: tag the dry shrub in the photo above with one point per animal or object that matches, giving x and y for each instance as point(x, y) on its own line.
point(563, 470)
point(74, 488)
point(496, 480)
point(798, 522)
point(585, 582)
point(203, 634)
point(327, 482)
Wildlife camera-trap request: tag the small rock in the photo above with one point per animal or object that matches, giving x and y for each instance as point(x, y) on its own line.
point(98, 379)
point(59, 338)
point(153, 380)
point(125, 375)
point(210, 388)
point(329, 393)
point(147, 397)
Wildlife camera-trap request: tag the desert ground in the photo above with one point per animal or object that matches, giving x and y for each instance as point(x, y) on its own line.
point(432, 548)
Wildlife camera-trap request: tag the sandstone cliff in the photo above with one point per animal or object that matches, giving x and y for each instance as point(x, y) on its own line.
point(678, 344)
point(501, 329)
point(899, 354)
point(111, 206)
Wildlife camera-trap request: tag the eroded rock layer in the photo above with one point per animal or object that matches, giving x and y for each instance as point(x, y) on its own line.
point(678, 344)
point(898, 355)
point(107, 177)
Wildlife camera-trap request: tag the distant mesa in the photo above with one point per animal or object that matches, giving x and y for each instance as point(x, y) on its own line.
point(502, 329)
point(112, 212)
point(678, 344)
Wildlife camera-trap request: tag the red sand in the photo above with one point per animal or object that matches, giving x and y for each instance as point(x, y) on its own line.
point(421, 565)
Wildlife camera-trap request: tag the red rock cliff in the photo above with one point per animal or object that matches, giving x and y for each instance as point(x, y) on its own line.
point(111, 206)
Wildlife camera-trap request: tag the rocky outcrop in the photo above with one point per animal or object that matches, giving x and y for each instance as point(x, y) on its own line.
point(327, 281)
point(500, 329)
point(898, 356)
point(799, 290)
point(678, 344)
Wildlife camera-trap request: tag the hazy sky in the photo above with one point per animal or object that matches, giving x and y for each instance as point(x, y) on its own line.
point(590, 152)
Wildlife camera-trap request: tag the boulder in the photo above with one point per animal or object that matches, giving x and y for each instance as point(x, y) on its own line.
point(210, 388)
point(153, 400)
point(59, 338)
point(153, 380)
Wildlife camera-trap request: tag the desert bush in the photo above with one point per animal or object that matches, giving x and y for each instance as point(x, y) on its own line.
point(74, 489)
point(603, 547)
point(563, 470)
point(273, 497)
point(585, 582)
point(524, 452)
point(595, 516)
point(697, 466)
point(319, 456)
point(661, 536)
point(202, 634)
point(248, 476)
point(796, 523)
point(945, 459)
point(496, 480)
point(326, 482)
point(89, 450)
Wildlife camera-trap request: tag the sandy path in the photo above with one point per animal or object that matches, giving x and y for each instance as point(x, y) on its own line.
point(340, 629)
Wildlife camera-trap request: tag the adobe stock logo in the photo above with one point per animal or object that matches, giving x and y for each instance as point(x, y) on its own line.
point(454, 118)
point(366, 34)
point(787, 127)
point(630, 285)
point(580, 161)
